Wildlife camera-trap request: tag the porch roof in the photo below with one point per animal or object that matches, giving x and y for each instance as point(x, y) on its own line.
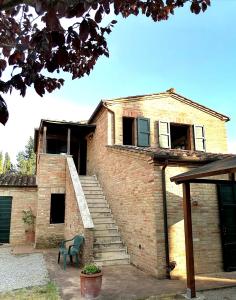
point(14, 180)
point(223, 166)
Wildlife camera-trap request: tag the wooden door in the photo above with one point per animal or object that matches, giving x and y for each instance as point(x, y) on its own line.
point(227, 205)
point(5, 218)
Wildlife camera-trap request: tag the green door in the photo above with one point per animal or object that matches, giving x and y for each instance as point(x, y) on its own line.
point(5, 218)
point(227, 205)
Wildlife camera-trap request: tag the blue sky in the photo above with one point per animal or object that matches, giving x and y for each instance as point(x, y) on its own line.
point(195, 54)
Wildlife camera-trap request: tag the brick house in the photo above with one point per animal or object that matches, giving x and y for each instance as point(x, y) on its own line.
point(109, 179)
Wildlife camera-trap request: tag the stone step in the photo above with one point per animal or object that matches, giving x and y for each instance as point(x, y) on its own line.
point(104, 226)
point(110, 254)
point(88, 192)
point(106, 246)
point(95, 198)
point(106, 231)
point(99, 210)
point(111, 262)
point(100, 214)
point(89, 184)
point(87, 178)
point(103, 220)
point(91, 188)
point(107, 238)
point(98, 205)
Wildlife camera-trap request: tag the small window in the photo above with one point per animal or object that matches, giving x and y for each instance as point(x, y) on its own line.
point(57, 211)
point(180, 136)
point(128, 131)
point(164, 134)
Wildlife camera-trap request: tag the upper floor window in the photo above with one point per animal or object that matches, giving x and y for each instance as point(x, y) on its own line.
point(136, 131)
point(181, 136)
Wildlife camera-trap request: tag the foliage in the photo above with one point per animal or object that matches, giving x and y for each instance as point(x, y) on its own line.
point(26, 160)
point(35, 39)
point(91, 269)
point(7, 166)
point(1, 162)
point(28, 218)
point(46, 292)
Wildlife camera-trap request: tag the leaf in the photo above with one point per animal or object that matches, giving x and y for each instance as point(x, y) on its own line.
point(204, 6)
point(84, 30)
point(39, 87)
point(98, 16)
point(6, 51)
point(113, 22)
point(3, 64)
point(3, 111)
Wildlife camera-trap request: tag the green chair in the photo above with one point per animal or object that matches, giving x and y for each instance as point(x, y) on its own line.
point(73, 250)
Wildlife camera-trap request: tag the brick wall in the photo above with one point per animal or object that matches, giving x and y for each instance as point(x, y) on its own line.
point(166, 108)
point(22, 199)
point(206, 225)
point(51, 178)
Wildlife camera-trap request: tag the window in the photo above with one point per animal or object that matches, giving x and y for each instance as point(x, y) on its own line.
point(128, 131)
point(57, 211)
point(180, 136)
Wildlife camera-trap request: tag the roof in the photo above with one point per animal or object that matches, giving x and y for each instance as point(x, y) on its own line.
point(166, 94)
point(174, 155)
point(63, 122)
point(17, 180)
point(224, 166)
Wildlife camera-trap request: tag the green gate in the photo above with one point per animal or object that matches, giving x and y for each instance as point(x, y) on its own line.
point(5, 218)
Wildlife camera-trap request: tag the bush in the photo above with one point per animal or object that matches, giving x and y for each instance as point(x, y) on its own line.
point(91, 269)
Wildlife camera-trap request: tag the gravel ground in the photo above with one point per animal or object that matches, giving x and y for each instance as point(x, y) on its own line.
point(21, 271)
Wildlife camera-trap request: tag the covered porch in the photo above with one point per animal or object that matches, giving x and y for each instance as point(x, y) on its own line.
point(227, 208)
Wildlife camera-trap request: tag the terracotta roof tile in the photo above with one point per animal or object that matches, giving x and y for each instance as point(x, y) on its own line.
point(17, 180)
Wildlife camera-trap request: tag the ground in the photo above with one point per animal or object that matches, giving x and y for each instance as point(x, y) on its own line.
point(123, 282)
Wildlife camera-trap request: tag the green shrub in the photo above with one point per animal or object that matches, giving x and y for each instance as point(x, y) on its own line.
point(91, 269)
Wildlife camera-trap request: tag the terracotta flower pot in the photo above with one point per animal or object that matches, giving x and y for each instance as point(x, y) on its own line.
point(29, 236)
point(90, 285)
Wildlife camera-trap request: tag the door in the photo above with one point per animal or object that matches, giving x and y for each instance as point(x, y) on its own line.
point(5, 218)
point(227, 205)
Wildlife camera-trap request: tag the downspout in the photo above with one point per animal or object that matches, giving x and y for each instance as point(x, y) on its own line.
point(165, 219)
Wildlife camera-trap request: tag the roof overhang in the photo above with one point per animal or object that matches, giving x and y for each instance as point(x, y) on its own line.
point(223, 166)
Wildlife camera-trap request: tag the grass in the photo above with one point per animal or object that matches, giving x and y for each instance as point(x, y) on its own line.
point(45, 292)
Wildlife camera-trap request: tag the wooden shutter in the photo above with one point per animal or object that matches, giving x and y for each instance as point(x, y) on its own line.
point(143, 132)
point(199, 138)
point(164, 134)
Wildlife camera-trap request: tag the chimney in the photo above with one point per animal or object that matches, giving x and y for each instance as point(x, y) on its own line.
point(171, 90)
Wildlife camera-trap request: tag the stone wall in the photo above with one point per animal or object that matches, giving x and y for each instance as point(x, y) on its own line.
point(22, 199)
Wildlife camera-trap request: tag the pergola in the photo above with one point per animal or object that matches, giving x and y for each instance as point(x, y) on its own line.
point(224, 166)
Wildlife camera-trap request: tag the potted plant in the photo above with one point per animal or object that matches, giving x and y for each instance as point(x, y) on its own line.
point(29, 220)
point(90, 281)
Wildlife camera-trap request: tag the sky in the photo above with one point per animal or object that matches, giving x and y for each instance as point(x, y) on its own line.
point(195, 54)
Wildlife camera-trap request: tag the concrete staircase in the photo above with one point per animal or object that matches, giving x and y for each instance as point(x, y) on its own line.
point(108, 247)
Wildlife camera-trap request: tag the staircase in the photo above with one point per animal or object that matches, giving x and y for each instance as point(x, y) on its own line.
point(108, 247)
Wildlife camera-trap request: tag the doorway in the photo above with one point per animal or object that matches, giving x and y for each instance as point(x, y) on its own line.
point(227, 207)
point(5, 218)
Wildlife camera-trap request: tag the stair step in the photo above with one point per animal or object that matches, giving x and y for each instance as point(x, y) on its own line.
point(99, 210)
point(107, 245)
point(89, 184)
point(91, 188)
point(100, 214)
point(88, 192)
point(98, 205)
point(105, 226)
point(107, 238)
point(105, 232)
point(85, 178)
point(111, 262)
point(94, 197)
point(111, 254)
point(102, 220)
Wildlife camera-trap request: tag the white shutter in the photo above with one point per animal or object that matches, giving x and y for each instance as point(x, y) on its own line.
point(199, 138)
point(164, 134)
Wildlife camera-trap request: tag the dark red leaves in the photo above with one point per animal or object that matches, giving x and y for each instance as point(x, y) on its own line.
point(195, 7)
point(3, 64)
point(16, 57)
point(98, 15)
point(84, 30)
point(51, 20)
point(3, 111)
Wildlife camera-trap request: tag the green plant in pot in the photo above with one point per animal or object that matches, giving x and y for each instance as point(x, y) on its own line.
point(90, 281)
point(29, 220)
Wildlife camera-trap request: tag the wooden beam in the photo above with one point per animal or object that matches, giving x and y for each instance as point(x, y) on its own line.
point(44, 139)
point(210, 181)
point(68, 141)
point(191, 291)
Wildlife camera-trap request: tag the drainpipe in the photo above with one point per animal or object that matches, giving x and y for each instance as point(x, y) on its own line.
point(114, 123)
point(165, 219)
